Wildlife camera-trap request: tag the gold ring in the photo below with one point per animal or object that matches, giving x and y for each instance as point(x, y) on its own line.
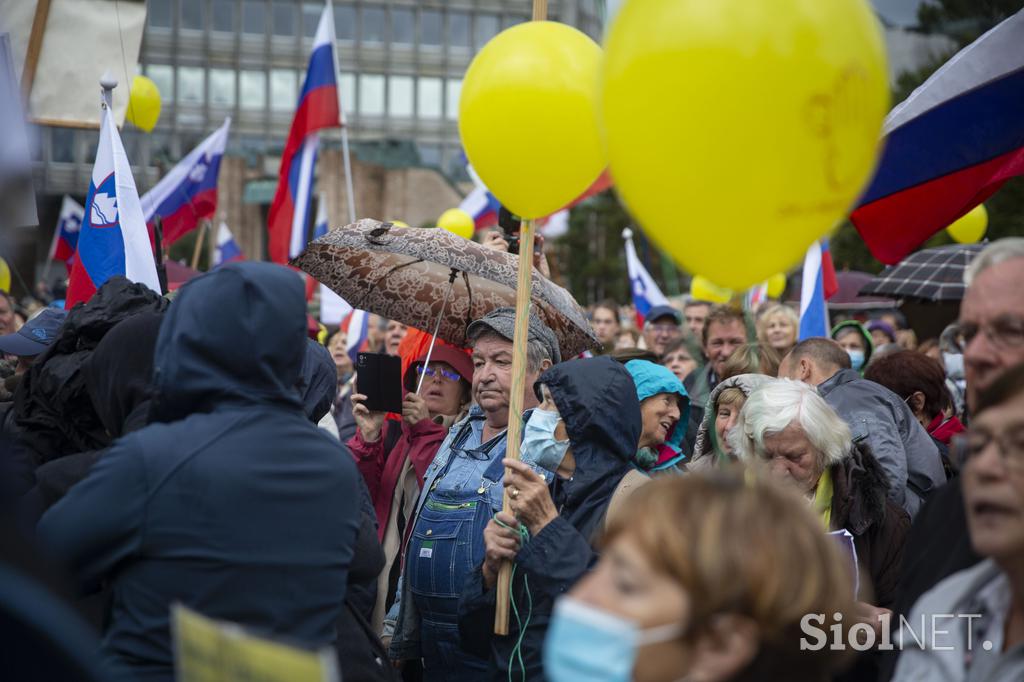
point(514, 493)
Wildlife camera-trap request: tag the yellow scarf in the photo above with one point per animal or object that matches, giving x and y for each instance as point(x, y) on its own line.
point(823, 498)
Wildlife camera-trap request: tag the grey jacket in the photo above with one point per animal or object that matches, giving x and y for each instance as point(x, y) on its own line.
point(878, 417)
point(969, 606)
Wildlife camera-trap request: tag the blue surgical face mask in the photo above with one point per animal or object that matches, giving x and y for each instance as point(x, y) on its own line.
point(585, 644)
point(540, 447)
point(856, 358)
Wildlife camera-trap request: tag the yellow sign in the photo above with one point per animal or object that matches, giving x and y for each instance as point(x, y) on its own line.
point(207, 650)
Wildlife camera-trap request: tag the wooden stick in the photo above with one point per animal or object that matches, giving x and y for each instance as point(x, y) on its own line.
point(199, 243)
point(35, 47)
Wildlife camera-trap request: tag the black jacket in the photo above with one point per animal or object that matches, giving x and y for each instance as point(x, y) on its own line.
point(230, 501)
point(597, 400)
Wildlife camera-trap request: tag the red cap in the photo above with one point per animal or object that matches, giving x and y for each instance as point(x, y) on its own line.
point(458, 359)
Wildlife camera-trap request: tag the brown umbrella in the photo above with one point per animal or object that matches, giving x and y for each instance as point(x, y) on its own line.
point(405, 273)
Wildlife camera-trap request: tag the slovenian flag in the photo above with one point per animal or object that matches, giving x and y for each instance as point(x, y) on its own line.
point(227, 250)
point(318, 108)
point(65, 235)
point(188, 193)
point(949, 146)
point(819, 284)
point(356, 326)
point(113, 239)
point(646, 293)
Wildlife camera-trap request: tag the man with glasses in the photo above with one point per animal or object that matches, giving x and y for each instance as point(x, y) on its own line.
point(462, 490)
point(661, 328)
point(989, 645)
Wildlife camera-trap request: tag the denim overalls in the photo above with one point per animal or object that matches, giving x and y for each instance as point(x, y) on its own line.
point(446, 545)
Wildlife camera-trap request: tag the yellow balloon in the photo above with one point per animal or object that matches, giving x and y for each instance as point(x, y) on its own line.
point(527, 116)
point(143, 104)
point(5, 276)
point(703, 289)
point(399, 223)
point(970, 228)
point(457, 221)
point(739, 131)
point(776, 285)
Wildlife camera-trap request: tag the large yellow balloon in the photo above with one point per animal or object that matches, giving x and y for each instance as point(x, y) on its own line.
point(457, 221)
point(970, 228)
point(5, 276)
point(143, 104)
point(703, 289)
point(527, 116)
point(776, 285)
point(739, 131)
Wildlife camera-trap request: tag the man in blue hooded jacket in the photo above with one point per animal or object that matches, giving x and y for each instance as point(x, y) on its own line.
point(233, 503)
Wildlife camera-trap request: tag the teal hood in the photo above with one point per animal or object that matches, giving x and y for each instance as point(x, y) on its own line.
point(652, 379)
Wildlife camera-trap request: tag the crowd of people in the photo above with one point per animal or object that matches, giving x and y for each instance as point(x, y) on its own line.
point(686, 498)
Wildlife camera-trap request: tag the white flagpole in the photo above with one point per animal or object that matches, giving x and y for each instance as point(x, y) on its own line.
point(350, 194)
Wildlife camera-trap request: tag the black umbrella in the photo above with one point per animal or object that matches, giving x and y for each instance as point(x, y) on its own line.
point(929, 275)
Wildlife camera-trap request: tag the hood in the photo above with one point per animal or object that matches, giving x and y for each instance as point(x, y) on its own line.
point(119, 373)
point(318, 384)
point(651, 379)
point(746, 383)
point(854, 324)
point(234, 335)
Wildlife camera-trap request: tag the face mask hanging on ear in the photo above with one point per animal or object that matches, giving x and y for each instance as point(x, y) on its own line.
point(540, 447)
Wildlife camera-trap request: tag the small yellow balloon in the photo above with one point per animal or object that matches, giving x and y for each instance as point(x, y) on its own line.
point(703, 289)
point(776, 285)
point(527, 116)
point(143, 104)
point(739, 131)
point(5, 276)
point(457, 221)
point(970, 228)
point(399, 223)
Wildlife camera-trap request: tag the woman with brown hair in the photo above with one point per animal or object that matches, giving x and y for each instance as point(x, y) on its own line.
point(678, 594)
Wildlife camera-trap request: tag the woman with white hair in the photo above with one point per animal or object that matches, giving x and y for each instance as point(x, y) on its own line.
point(788, 427)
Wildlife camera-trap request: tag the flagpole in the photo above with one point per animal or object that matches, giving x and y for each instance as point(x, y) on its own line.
point(350, 194)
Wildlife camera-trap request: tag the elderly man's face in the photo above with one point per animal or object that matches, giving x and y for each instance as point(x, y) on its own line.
point(993, 481)
point(792, 458)
point(994, 309)
point(661, 333)
point(492, 377)
point(6, 316)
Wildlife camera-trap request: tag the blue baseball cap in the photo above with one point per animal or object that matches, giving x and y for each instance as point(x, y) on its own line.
point(660, 311)
point(35, 336)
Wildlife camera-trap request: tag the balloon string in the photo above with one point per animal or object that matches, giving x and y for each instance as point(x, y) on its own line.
point(437, 328)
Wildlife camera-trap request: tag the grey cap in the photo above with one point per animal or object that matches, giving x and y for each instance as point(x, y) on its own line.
point(502, 321)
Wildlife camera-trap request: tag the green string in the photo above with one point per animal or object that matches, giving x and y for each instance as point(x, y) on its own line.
point(517, 650)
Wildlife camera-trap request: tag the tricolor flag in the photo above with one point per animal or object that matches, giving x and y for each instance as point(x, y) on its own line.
point(227, 250)
point(318, 108)
point(646, 293)
point(114, 239)
point(65, 236)
point(480, 203)
point(188, 193)
point(819, 285)
point(949, 146)
point(333, 308)
point(356, 326)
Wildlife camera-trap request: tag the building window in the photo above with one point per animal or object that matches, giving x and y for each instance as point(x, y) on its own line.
point(458, 29)
point(192, 15)
point(347, 83)
point(254, 17)
point(163, 76)
point(373, 25)
point(224, 16)
point(430, 27)
point(430, 154)
point(429, 95)
point(284, 93)
point(371, 95)
point(222, 88)
point(310, 19)
point(62, 145)
point(453, 89)
point(345, 22)
point(283, 23)
point(400, 97)
point(191, 84)
point(486, 28)
point(159, 13)
point(402, 28)
point(252, 89)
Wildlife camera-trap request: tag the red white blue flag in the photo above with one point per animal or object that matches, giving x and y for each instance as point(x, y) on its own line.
point(318, 108)
point(65, 236)
point(949, 146)
point(646, 293)
point(819, 285)
point(227, 250)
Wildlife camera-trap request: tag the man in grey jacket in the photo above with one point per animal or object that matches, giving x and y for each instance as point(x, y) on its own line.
point(875, 415)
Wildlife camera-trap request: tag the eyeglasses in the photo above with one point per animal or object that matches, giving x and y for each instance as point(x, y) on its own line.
point(1005, 332)
point(434, 372)
point(1009, 443)
point(664, 328)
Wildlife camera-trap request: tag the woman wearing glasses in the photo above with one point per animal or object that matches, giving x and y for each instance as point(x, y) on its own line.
point(394, 460)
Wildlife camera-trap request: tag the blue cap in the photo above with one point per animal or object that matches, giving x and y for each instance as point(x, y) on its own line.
point(660, 311)
point(36, 335)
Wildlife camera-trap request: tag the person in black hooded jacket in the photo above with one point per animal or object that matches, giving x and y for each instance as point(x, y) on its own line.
point(230, 501)
point(597, 403)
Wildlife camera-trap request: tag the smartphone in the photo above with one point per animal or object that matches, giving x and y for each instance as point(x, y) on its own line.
point(379, 378)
